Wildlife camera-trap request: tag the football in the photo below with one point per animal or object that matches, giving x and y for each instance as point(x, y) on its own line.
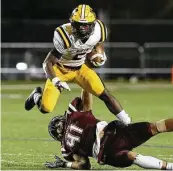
point(95, 57)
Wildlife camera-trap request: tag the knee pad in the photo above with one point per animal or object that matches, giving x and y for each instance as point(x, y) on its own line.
point(161, 126)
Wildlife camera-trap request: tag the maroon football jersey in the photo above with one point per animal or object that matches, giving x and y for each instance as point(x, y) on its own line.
point(118, 140)
point(79, 135)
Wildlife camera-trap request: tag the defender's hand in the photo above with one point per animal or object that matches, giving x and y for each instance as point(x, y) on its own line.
point(60, 84)
point(58, 163)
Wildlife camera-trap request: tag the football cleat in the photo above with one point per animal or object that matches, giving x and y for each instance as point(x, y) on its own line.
point(29, 103)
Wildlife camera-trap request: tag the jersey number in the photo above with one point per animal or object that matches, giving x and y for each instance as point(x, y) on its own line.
point(73, 138)
point(79, 56)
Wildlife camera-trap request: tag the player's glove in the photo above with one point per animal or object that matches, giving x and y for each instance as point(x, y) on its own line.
point(56, 164)
point(60, 84)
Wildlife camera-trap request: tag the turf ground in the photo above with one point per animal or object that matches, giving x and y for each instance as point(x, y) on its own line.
point(26, 144)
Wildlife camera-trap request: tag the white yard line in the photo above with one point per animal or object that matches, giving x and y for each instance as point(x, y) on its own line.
point(12, 96)
point(23, 154)
point(170, 155)
point(167, 158)
point(108, 85)
point(15, 162)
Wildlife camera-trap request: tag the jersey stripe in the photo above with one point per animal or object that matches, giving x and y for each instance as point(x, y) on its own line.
point(103, 31)
point(72, 107)
point(64, 37)
point(67, 37)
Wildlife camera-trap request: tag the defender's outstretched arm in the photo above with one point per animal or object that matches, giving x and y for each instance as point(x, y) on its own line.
point(87, 100)
point(78, 163)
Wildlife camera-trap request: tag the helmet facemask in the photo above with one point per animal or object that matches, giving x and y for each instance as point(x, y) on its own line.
point(82, 21)
point(82, 31)
point(56, 127)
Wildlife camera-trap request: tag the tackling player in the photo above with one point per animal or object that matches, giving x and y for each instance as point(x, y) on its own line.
point(83, 136)
point(66, 62)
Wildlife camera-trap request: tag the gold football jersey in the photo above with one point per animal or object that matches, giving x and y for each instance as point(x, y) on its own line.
point(73, 50)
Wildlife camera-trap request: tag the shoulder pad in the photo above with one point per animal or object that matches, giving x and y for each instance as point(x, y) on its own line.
point(64, 36)
point(68, 28)
point(103, 32)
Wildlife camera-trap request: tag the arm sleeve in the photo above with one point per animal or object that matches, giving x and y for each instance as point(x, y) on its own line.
point(103, 31)
point(61, 40)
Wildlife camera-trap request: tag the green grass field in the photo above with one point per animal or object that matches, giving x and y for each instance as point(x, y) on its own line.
point(26, 144)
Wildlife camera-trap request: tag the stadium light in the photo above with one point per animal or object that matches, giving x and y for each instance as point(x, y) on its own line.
point(21, 66)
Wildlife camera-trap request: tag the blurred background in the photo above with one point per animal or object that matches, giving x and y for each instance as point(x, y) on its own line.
point(139, 44)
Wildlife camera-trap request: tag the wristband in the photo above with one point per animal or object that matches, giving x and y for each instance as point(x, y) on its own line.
point(122, 115)
point(55, 80)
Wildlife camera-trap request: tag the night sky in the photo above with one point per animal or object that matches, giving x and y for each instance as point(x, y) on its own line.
point(58, 9)
point(35, 20)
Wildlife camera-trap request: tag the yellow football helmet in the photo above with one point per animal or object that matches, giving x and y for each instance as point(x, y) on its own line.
point(83, 13)
point(82, 20)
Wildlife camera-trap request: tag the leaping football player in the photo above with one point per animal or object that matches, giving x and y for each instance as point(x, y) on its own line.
point(83, 136)
point(66, 62)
